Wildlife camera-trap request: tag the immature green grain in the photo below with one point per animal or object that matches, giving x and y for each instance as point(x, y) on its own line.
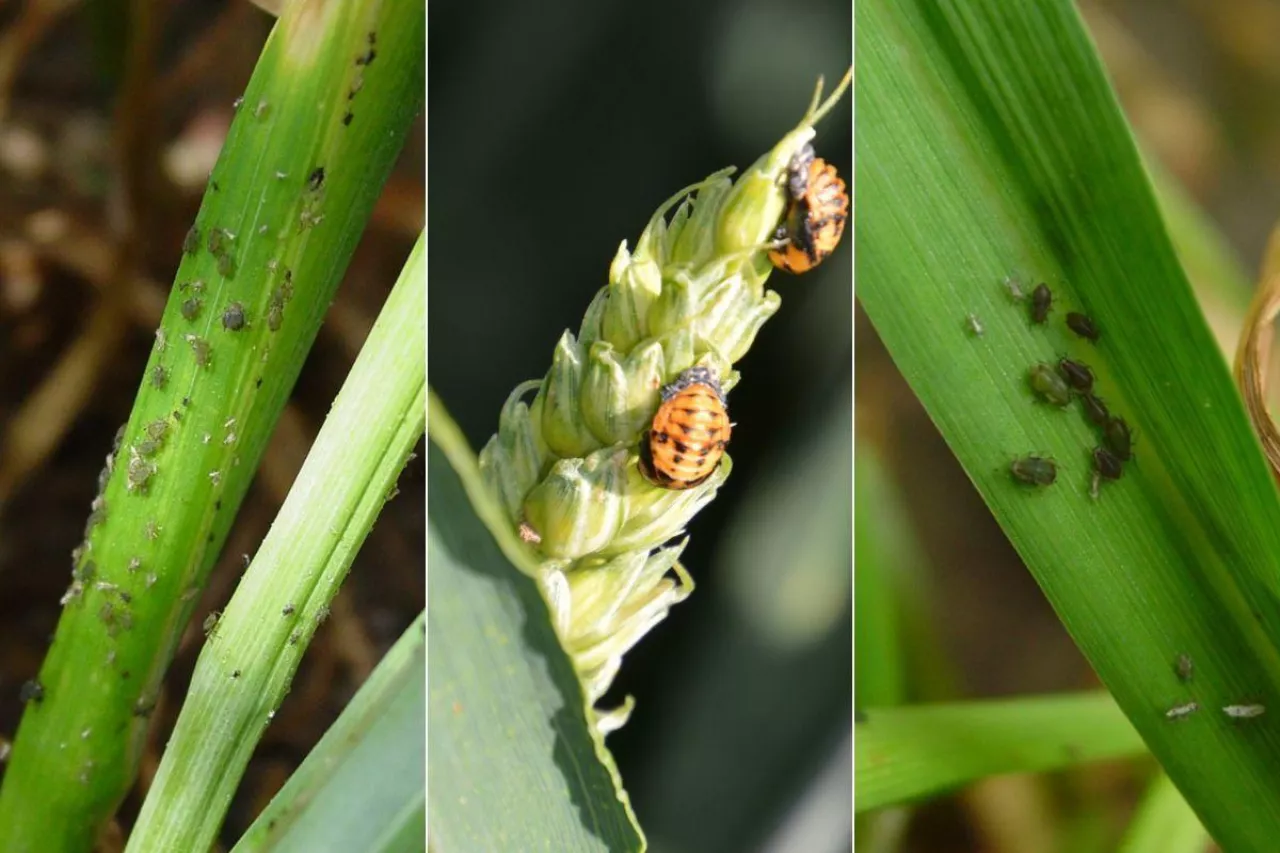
point(691, 293)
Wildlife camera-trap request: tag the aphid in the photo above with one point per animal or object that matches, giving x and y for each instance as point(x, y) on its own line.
point(1244, 712)
point(31, 691)
point(1118, 438)
point(686, 440)
point(1049, 385)
point(288, 610)
point(219, 240)
point(200, 347)
point(275, 315)
point(161, 342)
point(974, 325)
point(1183, 667)
point(146, 447)
point(1041, 303)
point(233, 317)
point(226, 266)
point(191, 308)
point(135, 563)
point(527, 534)
point(1095, 410)
point(347, 117)
point(1034, 470)
point(1179, 712)
point(159, 376)
point(316, 179)
point(140, 473)
point(1106, 464)
point(1077, 375)
point(262, 110)
point(157, 429)
point(1014, 287)
point(237, 103)
point(815, 218)
point(1082, 326)
point(211, 622)
point(191, 243)
point(151, 530)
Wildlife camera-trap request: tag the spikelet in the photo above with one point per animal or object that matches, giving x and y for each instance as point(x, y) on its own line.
point(563, 465)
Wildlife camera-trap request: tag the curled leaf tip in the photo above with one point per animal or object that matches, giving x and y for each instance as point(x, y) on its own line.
point(1254, 352)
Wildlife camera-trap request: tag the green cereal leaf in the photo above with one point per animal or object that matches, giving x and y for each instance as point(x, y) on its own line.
point(516, 762)
point(904, 754)
point(991, 145)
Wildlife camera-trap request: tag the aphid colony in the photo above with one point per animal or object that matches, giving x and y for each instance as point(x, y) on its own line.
point(1058, 384)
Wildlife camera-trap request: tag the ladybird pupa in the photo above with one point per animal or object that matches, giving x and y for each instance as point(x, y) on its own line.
point(688, 434)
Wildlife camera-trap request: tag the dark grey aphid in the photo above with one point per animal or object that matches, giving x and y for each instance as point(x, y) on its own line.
point(1076, 374)
point(1106, 464)
point(1118, 438)
point(1095, 410)
point(1041, 303)
point(1082, 326)
point(233, 317)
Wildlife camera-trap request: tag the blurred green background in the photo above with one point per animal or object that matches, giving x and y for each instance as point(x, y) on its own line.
point(1199, 81)
point(555, 132)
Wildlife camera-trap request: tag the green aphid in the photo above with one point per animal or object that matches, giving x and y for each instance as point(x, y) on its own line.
point(1034, 471)
point(1184, 668)
point(226, 266)
point(1049, 385)
point(140, 473)
point(219, 241)
point(200, 347)
point(191, 308)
